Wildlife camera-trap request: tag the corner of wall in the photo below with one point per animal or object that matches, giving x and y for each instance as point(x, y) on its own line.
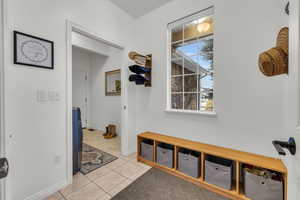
point(48, 191)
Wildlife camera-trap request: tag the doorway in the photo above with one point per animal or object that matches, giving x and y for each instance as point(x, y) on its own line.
point(94, 87)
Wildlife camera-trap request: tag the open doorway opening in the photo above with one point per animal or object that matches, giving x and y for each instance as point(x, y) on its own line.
point(96, 102)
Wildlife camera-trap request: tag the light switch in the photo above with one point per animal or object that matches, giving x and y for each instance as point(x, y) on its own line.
point(41, 96)
point(53, 95)
point(57, 96)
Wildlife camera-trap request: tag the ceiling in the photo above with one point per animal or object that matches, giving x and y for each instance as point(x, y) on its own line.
point(137, 8)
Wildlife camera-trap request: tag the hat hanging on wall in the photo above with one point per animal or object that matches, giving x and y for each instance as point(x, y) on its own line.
point(139, 69)
point(275, 60)
point(138, 79)
point(138, 58)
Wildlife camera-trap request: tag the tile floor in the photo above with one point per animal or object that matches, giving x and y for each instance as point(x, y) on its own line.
point(107, 181)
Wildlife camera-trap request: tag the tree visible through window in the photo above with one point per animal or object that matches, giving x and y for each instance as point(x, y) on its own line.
point(192, 69)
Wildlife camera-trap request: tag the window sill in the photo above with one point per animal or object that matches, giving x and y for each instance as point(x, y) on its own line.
point(204, 113)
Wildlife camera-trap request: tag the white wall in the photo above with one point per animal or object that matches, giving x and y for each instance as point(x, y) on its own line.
point(37, 150)
point(89, 44)
point(249, 105)
point(104, 109)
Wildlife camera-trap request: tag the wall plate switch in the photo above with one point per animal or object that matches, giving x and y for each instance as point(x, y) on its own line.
point(53, 95)
point(57, 96)
point(41, 96)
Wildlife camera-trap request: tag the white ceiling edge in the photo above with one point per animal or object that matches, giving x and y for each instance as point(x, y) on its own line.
point(138, 8)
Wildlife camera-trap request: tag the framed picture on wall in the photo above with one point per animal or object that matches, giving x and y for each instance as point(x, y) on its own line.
point(113, 83)
point(33, 51)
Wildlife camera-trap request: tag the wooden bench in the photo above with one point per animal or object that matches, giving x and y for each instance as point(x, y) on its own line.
point(238, 156)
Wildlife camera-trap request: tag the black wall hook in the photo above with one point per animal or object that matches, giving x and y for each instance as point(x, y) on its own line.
point(290, 145)
point(287, 8)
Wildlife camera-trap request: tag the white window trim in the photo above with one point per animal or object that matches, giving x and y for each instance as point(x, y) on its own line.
point(203, 13)
point(204, 113)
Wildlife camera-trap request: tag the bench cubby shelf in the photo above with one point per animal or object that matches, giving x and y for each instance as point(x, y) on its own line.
point(238, 157)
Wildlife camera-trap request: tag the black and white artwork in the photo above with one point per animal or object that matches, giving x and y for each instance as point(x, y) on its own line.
point(33, 51)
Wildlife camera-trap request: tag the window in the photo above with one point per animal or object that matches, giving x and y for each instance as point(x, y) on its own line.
point(191, 69)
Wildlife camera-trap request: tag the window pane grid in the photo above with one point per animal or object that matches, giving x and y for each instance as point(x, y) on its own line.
point(191, 75)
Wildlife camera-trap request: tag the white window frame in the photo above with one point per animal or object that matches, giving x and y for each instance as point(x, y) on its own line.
point(203, 13)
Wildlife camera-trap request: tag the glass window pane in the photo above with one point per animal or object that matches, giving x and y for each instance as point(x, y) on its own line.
point(206, 92)
point(198, 28)
point(190, 101)
point(177, 84)
point(190, 83)
point(177, 101)
point(205, 56)
point(190, 67)
point(206, 101)
point(190, 31)
point(191, 48)
point(205, 82)
point(175, 51)
point(177, 34)
point(177, 68)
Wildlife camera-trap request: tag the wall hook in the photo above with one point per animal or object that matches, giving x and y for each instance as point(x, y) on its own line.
point(287, 8)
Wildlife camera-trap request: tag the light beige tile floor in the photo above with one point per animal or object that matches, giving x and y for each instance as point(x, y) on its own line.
point(107, 181)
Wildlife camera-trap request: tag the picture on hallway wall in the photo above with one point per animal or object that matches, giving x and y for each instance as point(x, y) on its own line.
point(113, 83)
point(33, 51)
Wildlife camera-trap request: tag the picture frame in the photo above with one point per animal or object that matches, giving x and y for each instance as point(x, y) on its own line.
point(33, 51)
point(113, 83)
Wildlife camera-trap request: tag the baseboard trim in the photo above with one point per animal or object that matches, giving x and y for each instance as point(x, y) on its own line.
point(48, 191)
point(131, 151)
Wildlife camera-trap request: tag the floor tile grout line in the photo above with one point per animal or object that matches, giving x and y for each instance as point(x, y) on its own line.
point(101, 188)
point(120, 174)
point(123, 175)
point(91, 182)
point(121, 183)
point(140, 170)
point(79, 187)
point(125, 179)
point(63, 196)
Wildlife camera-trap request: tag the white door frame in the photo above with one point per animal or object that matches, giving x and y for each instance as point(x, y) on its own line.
point(292, 101)
point(71, 26)
point(86, 98)
point(3, 28)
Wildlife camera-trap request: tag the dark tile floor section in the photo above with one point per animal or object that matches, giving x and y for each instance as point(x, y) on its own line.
point(158, 185)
